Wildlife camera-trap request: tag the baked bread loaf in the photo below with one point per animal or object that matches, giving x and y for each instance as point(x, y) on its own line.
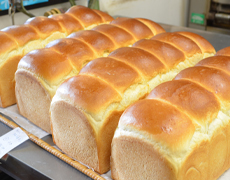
point(86, 108)
point(16, 41)
point(181, 130)
point(41, 72)
point(224, 52)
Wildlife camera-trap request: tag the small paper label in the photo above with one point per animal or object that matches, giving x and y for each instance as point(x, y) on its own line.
point(11, 140)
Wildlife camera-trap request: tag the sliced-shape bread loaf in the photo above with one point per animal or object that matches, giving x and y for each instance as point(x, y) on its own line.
point(86, 108)
point(181, 130)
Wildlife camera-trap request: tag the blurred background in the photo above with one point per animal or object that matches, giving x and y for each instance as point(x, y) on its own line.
point(209, 15)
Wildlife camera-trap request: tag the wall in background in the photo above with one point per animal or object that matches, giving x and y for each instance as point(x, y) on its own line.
point(173, 12)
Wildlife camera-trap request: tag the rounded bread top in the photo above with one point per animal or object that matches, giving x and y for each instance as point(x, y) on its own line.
point(204, 45)
point(105, 16)
point(119, 74)
point(67, 22)
point(7, 43)
point(167, 53)
point(41, 27)
point(97, 40)
point(220, 62)
point(85, 15)
point(78, 52)
point(191, 102)
point(158, 120)
point(84, 46)
point(76, 90)
point(154, 27)
point(47, 58)
point(21, 34)
point(223, 52)
point(186, 45)
point(44, 26)
point(118, 35)
point(138, 29)
point(129, 67)
point(185, 95)
point(213, 79)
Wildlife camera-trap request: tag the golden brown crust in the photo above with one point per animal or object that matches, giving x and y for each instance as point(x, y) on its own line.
point(166, 123)
point(219, 62)
point(106, 86)
point(7, 87)
point(85, 15)
point(72, 52)
point(44, 26)
point(35, 34)
point(76, 51)
point(116, 34)
point(208, 159)
point(22, 34)
point(84, 46)
point(223, 52)
point(156, 28)
point(40, 64)
point(217, 81)
point(112, 71)
point(138, 29)
point(201, 92)
point(142, 61)
point(86, 89)
point(99, 42)
point(168, 54)
point(8, 44)
point(188, 46)
point(105, 16)
point(176, 92)
point(204, 45)
point(192, 167)
point(68, 22)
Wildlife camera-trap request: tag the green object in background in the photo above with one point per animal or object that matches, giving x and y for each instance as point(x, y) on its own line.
point(197, 18)
point(72, 3)
point(93, 4)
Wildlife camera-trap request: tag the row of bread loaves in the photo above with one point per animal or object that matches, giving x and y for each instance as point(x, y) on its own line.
point(37, 32)
point(86, 108)
point(181, 130)
point(41, 72)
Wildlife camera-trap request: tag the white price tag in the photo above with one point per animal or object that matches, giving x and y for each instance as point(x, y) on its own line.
point(11, 140)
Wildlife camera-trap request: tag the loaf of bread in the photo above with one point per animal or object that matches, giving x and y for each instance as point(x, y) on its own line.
point(86, 108)
point(224, 52)
point(41, 71)
point(16, 41)
point(181, 130)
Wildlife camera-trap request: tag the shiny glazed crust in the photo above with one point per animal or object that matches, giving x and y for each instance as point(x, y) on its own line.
point(47, 68)
point(181, 130)
point(36, 33)
point(106, 86)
